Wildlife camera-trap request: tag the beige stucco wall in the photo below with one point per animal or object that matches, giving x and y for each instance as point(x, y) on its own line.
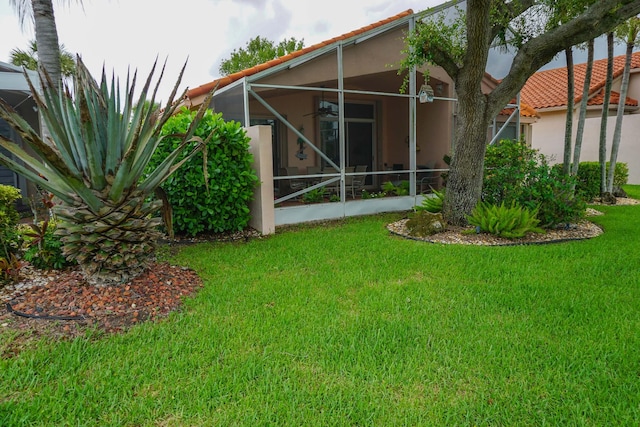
point(548, 132)
point(548, 136)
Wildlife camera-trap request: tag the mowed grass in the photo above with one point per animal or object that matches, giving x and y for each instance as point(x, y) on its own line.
point(345, 325)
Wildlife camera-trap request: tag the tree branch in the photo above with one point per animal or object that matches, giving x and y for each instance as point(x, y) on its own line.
point(598, 19)
point(508, 12)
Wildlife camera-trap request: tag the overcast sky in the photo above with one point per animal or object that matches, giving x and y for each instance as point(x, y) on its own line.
point(122, 33)
point(132, 33)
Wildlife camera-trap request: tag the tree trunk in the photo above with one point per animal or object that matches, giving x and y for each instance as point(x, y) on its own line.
point(47, 40)
point(464, 184)
point(583, 109)
point(624, 88)
point(568, 130)
point(602, 154)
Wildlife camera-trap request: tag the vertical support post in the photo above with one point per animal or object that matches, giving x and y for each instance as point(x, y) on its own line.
point(341, 125)
point(245, 100)
point(261, 207)
point(412, 123)
point(518, 117)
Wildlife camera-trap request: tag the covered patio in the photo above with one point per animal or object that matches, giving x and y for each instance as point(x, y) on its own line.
point(341, 122)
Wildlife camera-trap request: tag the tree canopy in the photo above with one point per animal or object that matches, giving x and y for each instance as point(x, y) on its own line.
point(258, 51)
point(29, 59)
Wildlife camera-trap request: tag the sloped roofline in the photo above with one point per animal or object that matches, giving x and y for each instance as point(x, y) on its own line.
point(385, 24)
point(546, 90)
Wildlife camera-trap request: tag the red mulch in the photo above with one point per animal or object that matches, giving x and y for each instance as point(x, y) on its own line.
point(110, 309)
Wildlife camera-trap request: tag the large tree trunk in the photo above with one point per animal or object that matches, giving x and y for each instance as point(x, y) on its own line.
point(464, 183)
point(47, 39)
point(568, 130)
point(602, 152)
point(617, 133)
point(583, 109)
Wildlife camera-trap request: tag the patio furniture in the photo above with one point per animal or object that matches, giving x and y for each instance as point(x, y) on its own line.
point(428, 179)
point(333, 187)
point(314, 170)
point(294, 184)
point(358, 181)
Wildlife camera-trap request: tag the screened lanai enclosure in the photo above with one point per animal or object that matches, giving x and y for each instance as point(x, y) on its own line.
point(345, 125)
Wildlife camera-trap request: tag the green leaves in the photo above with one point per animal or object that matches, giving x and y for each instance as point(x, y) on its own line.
point(214, 187)
point(511, 222)
point(258, 51)
point(432, 204)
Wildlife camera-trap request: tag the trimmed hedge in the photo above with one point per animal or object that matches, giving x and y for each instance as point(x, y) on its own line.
point(225, 206)
point(589, 177)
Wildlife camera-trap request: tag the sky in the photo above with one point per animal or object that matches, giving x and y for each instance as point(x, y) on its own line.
point(122, 35)
point(130, 34)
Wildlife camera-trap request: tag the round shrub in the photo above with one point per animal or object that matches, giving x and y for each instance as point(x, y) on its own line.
point(516, 173)
point(224, 205)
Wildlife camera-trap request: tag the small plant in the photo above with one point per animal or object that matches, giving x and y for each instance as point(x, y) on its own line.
point(398, 190)
point(334, 198)
point(511, 222)
point(432, 204)
point(314, 196)
point(9, 269)
point(10, 238)
point(374, 195)
point(44, 248)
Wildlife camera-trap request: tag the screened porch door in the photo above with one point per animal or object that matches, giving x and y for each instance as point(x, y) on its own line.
point(360, 141)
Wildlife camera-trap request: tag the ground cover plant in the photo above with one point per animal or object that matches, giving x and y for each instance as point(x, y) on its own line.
point(343, 324)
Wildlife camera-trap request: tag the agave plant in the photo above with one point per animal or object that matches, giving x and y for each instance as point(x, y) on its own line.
point(94, 161)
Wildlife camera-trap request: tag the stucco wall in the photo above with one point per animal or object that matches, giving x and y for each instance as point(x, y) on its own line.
point(548, 136)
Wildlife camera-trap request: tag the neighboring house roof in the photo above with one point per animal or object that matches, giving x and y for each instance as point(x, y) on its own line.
point(526, 110)
point(548, 88)
point(12, 78)
point(224, 81)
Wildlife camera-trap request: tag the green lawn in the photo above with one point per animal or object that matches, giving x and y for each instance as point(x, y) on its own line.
point(345, 325)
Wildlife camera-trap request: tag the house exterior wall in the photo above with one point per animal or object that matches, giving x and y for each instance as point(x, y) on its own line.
point(548, 137)
point(548, 132)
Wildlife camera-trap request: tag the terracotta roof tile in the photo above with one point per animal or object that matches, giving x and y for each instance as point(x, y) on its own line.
point(526, 110)
point(224, 81)
point(598, 99)
point(547, 89)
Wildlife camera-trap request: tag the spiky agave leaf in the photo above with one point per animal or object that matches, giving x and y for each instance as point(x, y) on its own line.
point(100, 145)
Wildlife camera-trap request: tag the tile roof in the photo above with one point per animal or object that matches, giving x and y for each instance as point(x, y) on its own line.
point(526, 110)
point(226, 80)
point(598, 99)
point(548, 89)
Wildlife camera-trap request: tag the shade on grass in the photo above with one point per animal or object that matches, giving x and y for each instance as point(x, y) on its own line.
point(344, 324)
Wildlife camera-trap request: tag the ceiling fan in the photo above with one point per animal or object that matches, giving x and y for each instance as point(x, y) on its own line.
point(324, 110)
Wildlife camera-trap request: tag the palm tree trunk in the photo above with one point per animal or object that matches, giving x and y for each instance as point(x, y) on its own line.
point(602, 154)
point(47, 40)
point(568, 130)
point(583, 109)
point(624, 88)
